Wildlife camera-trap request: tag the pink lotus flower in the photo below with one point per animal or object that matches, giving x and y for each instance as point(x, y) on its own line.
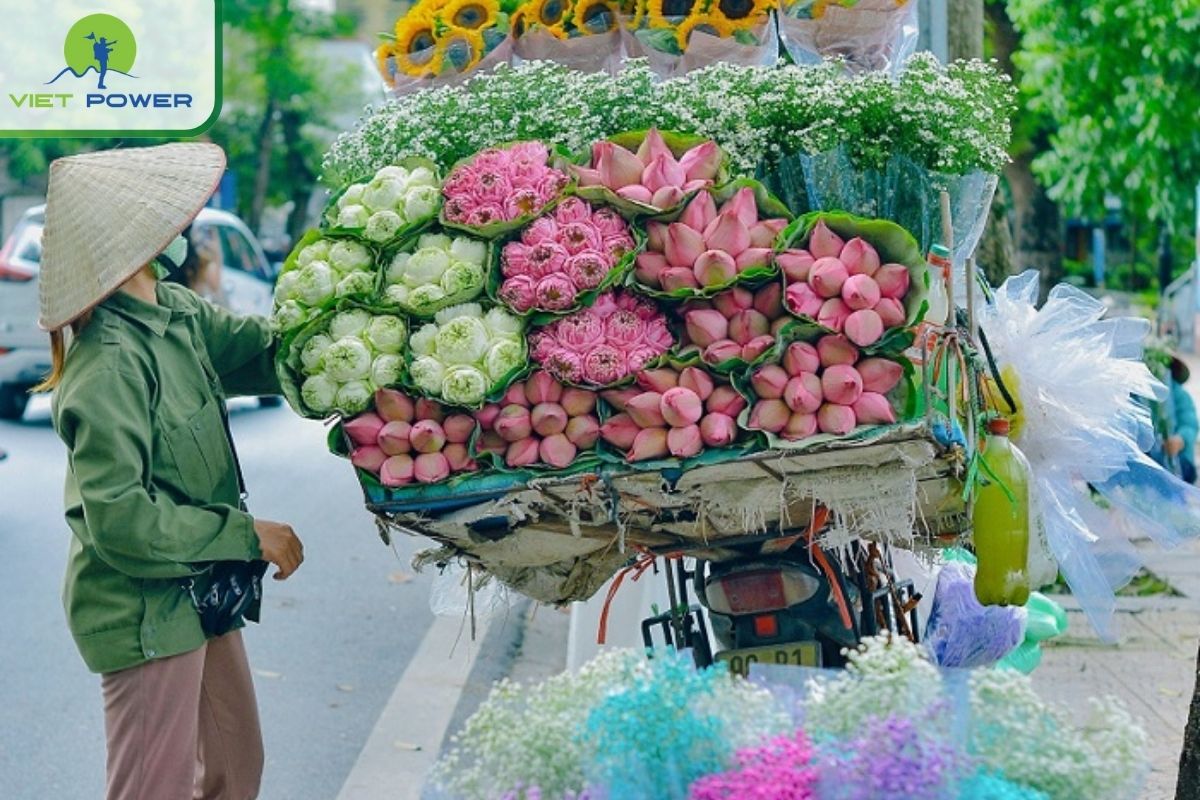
point(541, 230)
point(769, 382)
point(667, 197)
point(580, 331)
point(731, 301)
point(578, 402)
point(523, 203)
point(864, 328)
point(620, 430)
point(565, 365)
point(522, 453)
point(657, 380)
point(678, 278)
point(587, 270)
point(702, 162)
point(803, 393)
point(879, 375)
point(715, 268)
point(427, 436)
point(698, 381)
point(572, 210)
point(824, 243)
point(796, 264)
point(548, 419)
point(497, 186)
point(397, 471)
point(514, 260)
point(648, 445)
point(744, 206)
point(754, 348)
point(486, 416)
point(663, 171)
point(650, 267)
point(800, 426)
point(834, 350)
point(801, 357)
point(769, 415)
point(587, 176)
point(609, 222)
point(681, 407)
point(753, 257)
point(395, 438)
point(656, 236)
point(490, 442)
point(718, 430)
point(624, 328)
point(893, 280)
point(459, 458)
point(363, 429)
point(721, 351)
point(705, 326)
point(617, 166)
point(368, 457)
point(727, 233)
point(556, 293)
point(765, 232)
point(429, 409)
point(619, 398)
point(802, 300)
point(836, 419)
point(841, 384)
point(486, 214)
point(513, 423)
point(827, 277)
point(393, 405)
point(700, 212)
point(578, 237)
point(874, 409)
point(430, 467)
point(860, 292)
point(458, 428)
point(557, 450)
point(653, 146)
point(541, 388)
point(605, 364)
point(514, 396)
point(725, 400)
point(682, 245)
point(583, 431)
point(685, 441)
point(645, 409)
point(527, 152)
point(747, 325)
point(833, 314)
point(859, 257)
point(891, 312)
point(519, 293)
point(768, 301)
point(546, 258)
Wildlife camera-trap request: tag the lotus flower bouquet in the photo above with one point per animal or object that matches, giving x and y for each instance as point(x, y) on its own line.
point(672, 413)
point(406, 440)
point(501, 188)
point(564, 257)
point(319, 271)
point(465, 353)
point(436, 271)
point(539, 423)
point(824, 388)
point(737, 327)
point(389, 204)
point(343, 358)
point(605, 343)
point(646, 174)
point(709, 248)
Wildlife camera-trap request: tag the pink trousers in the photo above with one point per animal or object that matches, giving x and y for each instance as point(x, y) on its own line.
point(184, 727)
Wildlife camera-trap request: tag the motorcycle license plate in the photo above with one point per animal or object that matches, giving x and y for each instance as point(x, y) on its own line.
point(796, 654)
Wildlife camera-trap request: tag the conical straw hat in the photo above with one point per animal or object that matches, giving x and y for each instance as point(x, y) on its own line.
point(110, 213)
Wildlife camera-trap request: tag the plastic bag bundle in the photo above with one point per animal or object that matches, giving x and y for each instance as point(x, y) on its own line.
point(962, 632)
point(866, 34)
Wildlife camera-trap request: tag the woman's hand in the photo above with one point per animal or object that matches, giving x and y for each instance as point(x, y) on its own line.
point(280, 546)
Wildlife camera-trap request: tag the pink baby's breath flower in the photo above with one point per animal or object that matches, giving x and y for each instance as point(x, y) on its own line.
point(518, 293)
point(588, 269)
point(579, 236)
point(605, 364)
point(555, 293)
point(542, 229)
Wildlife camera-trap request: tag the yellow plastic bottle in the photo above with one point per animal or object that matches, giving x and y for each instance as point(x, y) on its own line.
point(1002, 523)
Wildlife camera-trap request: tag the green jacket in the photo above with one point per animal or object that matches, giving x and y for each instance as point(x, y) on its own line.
point(151, 488)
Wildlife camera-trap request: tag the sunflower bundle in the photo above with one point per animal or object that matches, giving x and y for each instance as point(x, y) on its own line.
point(567, 19)
point(443, 38)
point(864, 34)
point(667, 26)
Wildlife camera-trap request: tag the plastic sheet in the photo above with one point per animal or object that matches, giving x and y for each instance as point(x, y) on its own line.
point(868, 35)
point(754, 47)
point(402, 84)
point(962, 632)
point(598, 52)
point(461, 592)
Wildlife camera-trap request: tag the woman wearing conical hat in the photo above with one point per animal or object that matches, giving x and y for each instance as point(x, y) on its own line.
point(164, 559)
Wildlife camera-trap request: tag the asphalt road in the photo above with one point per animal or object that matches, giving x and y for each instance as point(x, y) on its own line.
point(334, 641)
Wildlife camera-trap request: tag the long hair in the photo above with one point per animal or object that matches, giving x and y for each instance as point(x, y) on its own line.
point(60, 341)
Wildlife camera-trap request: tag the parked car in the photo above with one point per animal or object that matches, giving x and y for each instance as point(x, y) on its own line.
point(247, 286)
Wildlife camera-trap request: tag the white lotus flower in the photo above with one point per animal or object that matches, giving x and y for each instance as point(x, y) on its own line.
point(422, 202)
point(382, 226)
point(318, 393)
point(387, 369)
point(315, 284)
point(288, 317)
point(425, 300)
point(353, 216)
point(352, 196)
point(350, 323)
point(501, 324)
point(354, 397)
point(462, 341)
point(347, 359)
point(355, 283)
point(383, 194)
point(285, 287)
point(317, 251)
point(312, 355)
point(463, 279)
point(426, 373)
point(424, 341)
point(460, 310)
point(395, 173)
point(397, 294)
point(503, 357)
point(464, 385)
point(348, 256)
point(470, 251)
point(386, 334)
point(398, 268)
point(422, 176)
point(426, 266)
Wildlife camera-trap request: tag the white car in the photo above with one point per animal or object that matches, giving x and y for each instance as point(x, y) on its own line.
point(247, 285)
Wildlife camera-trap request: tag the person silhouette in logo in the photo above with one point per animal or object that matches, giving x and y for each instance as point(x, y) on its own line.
point(101, 49)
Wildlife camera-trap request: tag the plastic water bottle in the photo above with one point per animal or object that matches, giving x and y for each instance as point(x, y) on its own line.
point(1002, 523)
point(939, 279)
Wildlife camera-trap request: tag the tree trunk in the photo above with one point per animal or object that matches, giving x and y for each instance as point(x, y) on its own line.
point(262, 176)
point(1187, 786)
point(964, 28)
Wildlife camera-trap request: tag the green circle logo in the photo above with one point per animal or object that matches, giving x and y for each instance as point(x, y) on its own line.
point(100, 42)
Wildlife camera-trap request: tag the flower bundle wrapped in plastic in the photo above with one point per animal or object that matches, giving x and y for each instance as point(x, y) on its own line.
point(866, 34)
point(564, 257)
point(465, 354)
point(781, 769)
point(408, 441)
point(440, 40)
point(501, 188)
point(582, 34)
point(345, 357)
point(318, 272)
point(646, 173)
point(540, 422)
point(682, 35)
point(605, 343)
point(435, 271)
point(390, 203)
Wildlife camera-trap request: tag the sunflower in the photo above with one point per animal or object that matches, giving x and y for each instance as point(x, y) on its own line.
point(461, 50)
point(382, 54)
point(416, 45)
point(665, 13)
point(470, 15)
point(550, 15)
point(702, 23)
point(746, 12)
point(594, 16)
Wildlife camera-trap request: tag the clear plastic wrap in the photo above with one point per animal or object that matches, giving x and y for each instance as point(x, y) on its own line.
point(402, 84)
point(461, 592)
point(679, 45)
point(598, 52)
point(869, 35)
point(962, 632)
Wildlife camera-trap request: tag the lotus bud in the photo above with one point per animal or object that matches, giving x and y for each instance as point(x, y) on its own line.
point(681, 407)
point(653, 146)
point(824, 243)
point(721, 351)
point(769, 382)
point(678, 278)
point(427, 436)
point(726, 400)
point(583, 431)
point(747, 325)
point(706, 326)
point(458, 428)
point(587, 176)
point(617, 166)
point(768, 301)
point(540, 387)
point(548, 419)
point(664, 172)
point(522, 453)
point(646, 410)
point(778, 325)
point(860, 292)
point(717, 430)
point(667, 197)
point(764, 233)
point(833, 314)
point(715, 268)
point(397, 471)
point(756, 347)
point(834, 350)
point(700, 212)
point(841, 384)
point(578, 402)
point(695, 186)
point(368, 457)
point(769, 415)
point(836, 419)
point(425, 408)
point(619, 398)
point(753, 257)
point(801, 357)
point(731, 301)
point(558, 451)
point(515, 396)
point(698, 381)
point(859, 257)
point(802, 300)
point(637, 193)
point(827, 277)
point(879, 375)
point(514, 423)
point(685, 442)
point(874, 409)
point(702, 162)
point(727, 233)
point(799, 426)
point(796, 264)
point(620, 430)
point(683, 245)
point(650, 266)
point(491, 442)
point(649, 444)
point(458, 458)
point(393, 405)
point(893, 280)
point(486, 416)
point(891, 312)
point(363, 429)
point(744, 206)
point(657, 380)
point(803, 393)
point(395, 438)
point(656, 235)
point(864, 328)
